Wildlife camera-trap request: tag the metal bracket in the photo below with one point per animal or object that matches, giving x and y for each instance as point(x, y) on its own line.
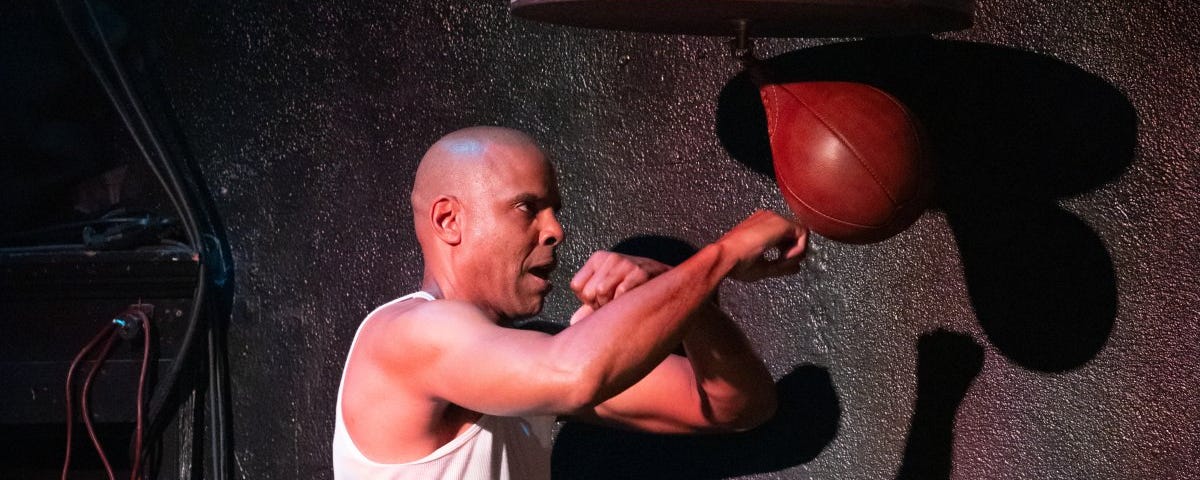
point(742, 46)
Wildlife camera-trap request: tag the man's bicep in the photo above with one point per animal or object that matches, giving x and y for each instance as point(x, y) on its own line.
point(483, 367)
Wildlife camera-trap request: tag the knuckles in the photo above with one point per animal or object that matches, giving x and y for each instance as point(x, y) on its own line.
point(608, 274)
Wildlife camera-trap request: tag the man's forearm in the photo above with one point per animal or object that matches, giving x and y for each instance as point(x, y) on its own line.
point(622, 341)
point(735, 386)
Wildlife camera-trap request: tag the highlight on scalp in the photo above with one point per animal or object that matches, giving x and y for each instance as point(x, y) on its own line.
point(457, 166)
point(448, 162)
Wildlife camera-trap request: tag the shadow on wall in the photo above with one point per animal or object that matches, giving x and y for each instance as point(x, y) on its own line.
point(805, 423)
point(1012, 134)
point(947, 363)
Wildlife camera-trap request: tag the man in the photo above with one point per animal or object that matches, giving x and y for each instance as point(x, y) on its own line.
point(437, 386)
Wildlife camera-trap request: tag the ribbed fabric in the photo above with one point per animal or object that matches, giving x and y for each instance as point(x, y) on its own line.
point(494, 448)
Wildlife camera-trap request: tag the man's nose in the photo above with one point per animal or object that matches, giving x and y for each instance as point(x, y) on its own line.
point(552, 231)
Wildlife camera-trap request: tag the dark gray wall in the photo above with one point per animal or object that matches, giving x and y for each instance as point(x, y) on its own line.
point(1063, 250)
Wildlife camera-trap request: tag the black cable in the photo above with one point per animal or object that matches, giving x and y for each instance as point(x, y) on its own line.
point(217, 415)
point(216, 395)
point(112, 96)
point(163, 390)
point(186, 212)
point(177, 195)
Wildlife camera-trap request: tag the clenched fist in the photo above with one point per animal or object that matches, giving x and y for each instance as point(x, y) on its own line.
point(607, 275)
point(758, 234)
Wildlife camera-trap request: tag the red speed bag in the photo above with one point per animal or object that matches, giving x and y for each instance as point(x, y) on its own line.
point(849, 158)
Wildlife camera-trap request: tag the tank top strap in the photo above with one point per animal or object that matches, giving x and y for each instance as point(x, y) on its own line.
point(419, 294)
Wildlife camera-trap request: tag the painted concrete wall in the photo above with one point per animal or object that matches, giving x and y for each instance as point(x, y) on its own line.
point(1041, 322)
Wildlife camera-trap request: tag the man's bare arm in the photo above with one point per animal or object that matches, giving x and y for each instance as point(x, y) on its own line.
point(469, 362)
point(738, 390)
point(721, 385)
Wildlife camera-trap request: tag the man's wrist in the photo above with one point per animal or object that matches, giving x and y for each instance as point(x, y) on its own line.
point(723, 260)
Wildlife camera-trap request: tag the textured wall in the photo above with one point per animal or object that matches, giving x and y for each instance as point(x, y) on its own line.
point(1062, 253)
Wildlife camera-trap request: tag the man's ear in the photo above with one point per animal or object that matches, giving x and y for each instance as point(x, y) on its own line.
point(446, 216)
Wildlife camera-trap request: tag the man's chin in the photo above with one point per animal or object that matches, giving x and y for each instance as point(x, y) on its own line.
point(520, 301)
point(536, 307)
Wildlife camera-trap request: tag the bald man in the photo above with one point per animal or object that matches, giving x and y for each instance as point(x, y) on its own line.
point(438, 386)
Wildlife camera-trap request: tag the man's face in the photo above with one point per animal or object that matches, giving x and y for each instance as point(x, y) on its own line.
point(510, 232)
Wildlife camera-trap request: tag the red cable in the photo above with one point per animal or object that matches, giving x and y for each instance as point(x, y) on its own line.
point(83, 400)
point(135, 473)
point(107, 329)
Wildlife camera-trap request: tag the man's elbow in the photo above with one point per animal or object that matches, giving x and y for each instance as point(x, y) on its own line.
point(581, 398)
point(750, 412)
point(582, 389)
point(760, 411)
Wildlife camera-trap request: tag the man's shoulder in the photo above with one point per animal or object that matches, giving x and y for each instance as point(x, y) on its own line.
point(425, 320)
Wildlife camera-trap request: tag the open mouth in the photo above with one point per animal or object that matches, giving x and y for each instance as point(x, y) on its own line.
point(543, 271)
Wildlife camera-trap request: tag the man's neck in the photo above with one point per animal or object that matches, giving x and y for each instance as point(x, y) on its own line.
point(444, 289)
point(430, 285)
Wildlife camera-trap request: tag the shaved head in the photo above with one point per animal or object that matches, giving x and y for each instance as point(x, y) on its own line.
point(457, 163)
point(484, 201)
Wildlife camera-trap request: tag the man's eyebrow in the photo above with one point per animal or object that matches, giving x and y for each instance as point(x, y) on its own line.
point(525, 197)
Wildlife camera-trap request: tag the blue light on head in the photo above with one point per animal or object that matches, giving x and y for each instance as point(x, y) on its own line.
point(465, 146)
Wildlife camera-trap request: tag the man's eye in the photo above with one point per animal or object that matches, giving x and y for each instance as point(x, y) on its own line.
point(525, 207)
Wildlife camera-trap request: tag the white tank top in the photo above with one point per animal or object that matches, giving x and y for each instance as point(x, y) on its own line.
point(494, 448)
